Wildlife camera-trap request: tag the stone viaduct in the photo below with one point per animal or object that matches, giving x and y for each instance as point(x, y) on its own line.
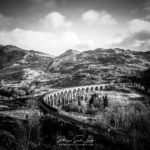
point(62, 97)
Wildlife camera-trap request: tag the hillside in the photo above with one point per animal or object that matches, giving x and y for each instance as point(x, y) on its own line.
point(99, 65)
point(17, 64)
point(71, 68)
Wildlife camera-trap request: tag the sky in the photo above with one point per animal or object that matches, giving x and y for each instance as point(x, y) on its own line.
point(53, 26)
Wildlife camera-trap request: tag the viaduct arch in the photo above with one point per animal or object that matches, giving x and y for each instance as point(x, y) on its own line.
point(62, 97)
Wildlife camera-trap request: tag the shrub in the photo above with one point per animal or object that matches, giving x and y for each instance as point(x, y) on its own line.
point(98, 102)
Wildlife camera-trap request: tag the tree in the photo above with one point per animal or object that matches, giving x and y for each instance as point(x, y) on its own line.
point(92, 99)
point(105, 98)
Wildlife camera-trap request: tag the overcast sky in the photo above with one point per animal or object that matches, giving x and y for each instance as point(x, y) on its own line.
point(53, 26)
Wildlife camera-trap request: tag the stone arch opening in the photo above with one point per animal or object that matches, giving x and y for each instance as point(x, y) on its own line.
point(74, 91)
point(83, 91)
point(55, 99)
point(51, 100)
point(74, 94)
point(58, 99)
point(96, 88)
point(101, 88)
point(69, 96)
point(45, 100)
point(65, 97)
point(87, 89)
point(79, 92)
point(61, 98)
point(61, 94)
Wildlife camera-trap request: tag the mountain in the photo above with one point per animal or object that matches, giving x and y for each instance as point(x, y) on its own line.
point(101, 58)
point(65, 60)
point(18, 64)
point(69, 53)
point(72, 68)
point(10, 54)
point(96, 66)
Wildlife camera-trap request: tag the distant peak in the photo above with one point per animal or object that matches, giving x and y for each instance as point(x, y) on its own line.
point(72, 51)
point(69, 52)
point(11, 46)
point(99, 49)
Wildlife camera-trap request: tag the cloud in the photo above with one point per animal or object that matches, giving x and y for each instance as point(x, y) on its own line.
point(69, 36)
point(96, 17)
point(56, 20)
point(36, 1)
point(47, 4)
point(41, 1)
point(85, 45)
point(137, 25)
point(7, 22)
point(136, 41)
point(46, 1)
point(147, 5)
point(147, 17)
point(43, 41)
point(138, 36)
point(82, 46)
point(27, 39)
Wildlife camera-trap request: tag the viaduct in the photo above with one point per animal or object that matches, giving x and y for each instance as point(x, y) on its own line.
point(62, 97)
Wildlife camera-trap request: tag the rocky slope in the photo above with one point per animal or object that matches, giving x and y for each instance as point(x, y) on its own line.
point(21, 71)
point(18, 64)
point(102, 57)
point(99, 65)
point(71, 68)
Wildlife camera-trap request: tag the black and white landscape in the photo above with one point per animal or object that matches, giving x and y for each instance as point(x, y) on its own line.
point(59, 89)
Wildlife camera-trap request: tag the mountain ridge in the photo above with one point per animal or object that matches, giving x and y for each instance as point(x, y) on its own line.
point(72, 67)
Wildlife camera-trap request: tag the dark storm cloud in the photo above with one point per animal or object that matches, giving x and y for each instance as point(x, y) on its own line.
point(146, 5)
point(7, 23)
point(27, 8)
point(24, 13)
point(147, 17)
point(142, 8)
point(47, 2)
point(14, 7)
point(32, 10)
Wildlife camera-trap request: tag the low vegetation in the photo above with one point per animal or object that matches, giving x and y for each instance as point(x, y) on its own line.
point(132, 119)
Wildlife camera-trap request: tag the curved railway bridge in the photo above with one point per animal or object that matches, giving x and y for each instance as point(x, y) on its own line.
point(62, 97)
point(50, 103)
